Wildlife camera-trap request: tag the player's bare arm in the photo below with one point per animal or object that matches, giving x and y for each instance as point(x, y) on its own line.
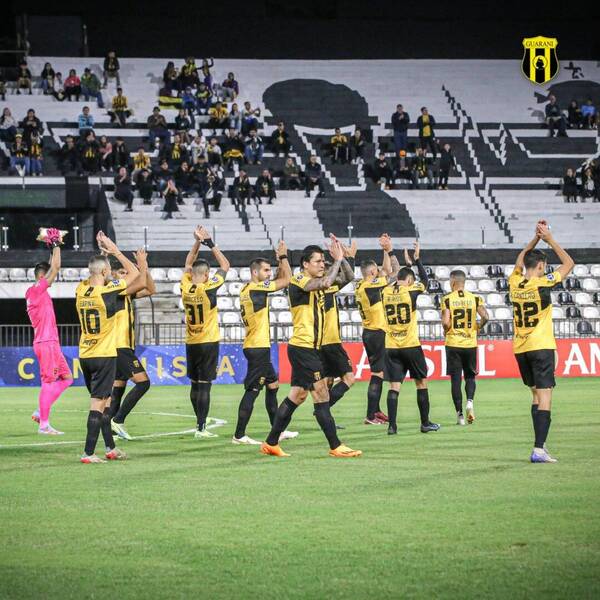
point(385, 241)
point(346, 274)
point(519, 263)
point(566, 261)
point(446, 319)
point(207, 241)
point(284, 270)
point(55, 259)
point(322, 283)
point(193, 253)
point(420, 268)
point(484, 316)
point(141, 259)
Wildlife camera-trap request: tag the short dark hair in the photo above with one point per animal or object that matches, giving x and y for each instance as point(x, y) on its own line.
point(533, 258)
point(200, 266)
point(405, 273)
point(256, 262)
point(41, 268)
point(115, 265)
point(458, 274)
point(308, 252)
point(365, 264)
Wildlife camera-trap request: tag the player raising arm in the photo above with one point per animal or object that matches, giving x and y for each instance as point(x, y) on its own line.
point(533, 341)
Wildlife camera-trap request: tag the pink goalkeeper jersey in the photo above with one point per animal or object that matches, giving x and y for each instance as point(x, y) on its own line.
point(41, 312)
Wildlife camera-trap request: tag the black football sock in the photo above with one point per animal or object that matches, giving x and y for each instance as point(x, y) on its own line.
point(374, 396)
point(534, 409)
point(132, 398)
point(271, 404)
point(245, 412)
point(93, 431)
point(423, 404)
point(327, 424)
point(392, 406)
point(543, 425)
point(115, 399)
point(202, 404)
point(282, 419)
point(470, 386)
point(194, 397)
point(109, 441)
point(456, 389)
point(336, 392)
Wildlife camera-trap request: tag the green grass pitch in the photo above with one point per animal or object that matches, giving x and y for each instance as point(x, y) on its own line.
point(457, 514)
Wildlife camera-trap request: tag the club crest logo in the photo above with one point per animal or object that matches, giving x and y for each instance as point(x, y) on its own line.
point(540, 62)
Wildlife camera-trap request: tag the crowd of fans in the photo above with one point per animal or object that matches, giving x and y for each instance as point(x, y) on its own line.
point(575, 117)
point(588, 186)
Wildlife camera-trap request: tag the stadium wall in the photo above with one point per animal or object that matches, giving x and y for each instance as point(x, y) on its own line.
point(166, 364)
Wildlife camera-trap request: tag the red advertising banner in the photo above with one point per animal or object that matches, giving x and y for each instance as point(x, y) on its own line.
point(576, 358)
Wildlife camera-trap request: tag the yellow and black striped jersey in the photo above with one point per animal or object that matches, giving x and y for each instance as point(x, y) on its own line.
point(97, 307)
point(532, 306)
point(368, 299)
point(463, 306)
point(399, 307)
point(308, 313)
point(331, 328)
point(125, 322)
point(254, 306)
point(200, 305)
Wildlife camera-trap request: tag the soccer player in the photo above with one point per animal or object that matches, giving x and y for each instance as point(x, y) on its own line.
point(128, 364)
point(199, 295)
point(307, 304)
point(403, 351)
point(459, 320)
point(368, 298)
point(55, 374)
point(254, 304)
point(97, 304)
point(533, 341)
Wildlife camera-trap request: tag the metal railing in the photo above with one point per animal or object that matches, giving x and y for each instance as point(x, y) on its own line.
point(165, 334)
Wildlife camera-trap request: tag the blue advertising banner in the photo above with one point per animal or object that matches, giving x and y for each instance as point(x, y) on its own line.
point(166, 365)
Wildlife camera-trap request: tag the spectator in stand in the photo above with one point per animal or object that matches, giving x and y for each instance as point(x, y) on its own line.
point(426, 124)
point(400, 121)
point(157, 128)
point(90, 87)
point(219, 117)
point(162, 175)
point(423, 168)
point(171, 78)
point(72, 86)
point(120, 111)
point(357, 145)
point(188, 103)
point(185, 179)
point(211, 192)
point(183, 125)
point(233, 149)
point(90, 154)
point(23, 78)
point(19, 156)
point(145, 186)
point(201, 171)
point(189, 73)
point(249, 118)
point(588, 186)
point(230, 88)
point(140, 161)
point(242, 189)
point(264, 187)
point(291, 179)
point(123, 192)
point(447, 162)
point(35, 156)
point(172, 199)
point(121, 154)
point(555, 120)
point(569, 187)
point(203, 99)
point(85, 122)
point(280, 140)
point(2, 86)
point(59, 88)
point(69, 157)
point(339, 147)
point(254, 148)
point(588, 114)
point(111, 69)
point(207, 65)
point(31, 125)
point(403, 169)
point(382, 172)
point(106, 155)
point(8, 126)
point(574, 118)
point(214, 153)
point(235, 118)
point(47, 79)
point(176, 153)
point(314, 177)
point(197, 148)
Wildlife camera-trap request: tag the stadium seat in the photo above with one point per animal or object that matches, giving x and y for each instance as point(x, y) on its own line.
point(158, 274)
point(572, 284)
point(231, 317)
point(591, 285)
point(84, 273)
point(273, 316)
point(470, 285)
point(486, 286)
point(3, 275)
point(564, 298)
point(355, 317)
point(174, 274)
point(424, 301)
point(597, 298)
point(502, 285)
point(236, 303)
point(573, 312)
point(177, 289)
point(494, 300)
point(558, 312)
point(344, 316)
point(180, 304)
point(285, 316)
point(595, 270)
point(224, 303)
point(477, 272)
point(279, 303)
point(580, 271)
point(508, 269)
point(222, 291)
point(31, 274)
point(348, 331)
point(494, 271)
point(245, 274)
point(585, 328)
point(564, 328)
point(232, 275)
point(434, 286)
point(591, 312)
point(462, 268)
point(69, 274)
point(431, 315)
point(349, 288)
point(18, 275)
point(235, 287)
point(442, 272)
point(503, 314)
point(583, 299)
point(446, 286)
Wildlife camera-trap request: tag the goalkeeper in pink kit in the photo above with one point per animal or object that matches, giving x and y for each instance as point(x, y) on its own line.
point(55, 374)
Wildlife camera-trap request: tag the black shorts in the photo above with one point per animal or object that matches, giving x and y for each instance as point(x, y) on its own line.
point(99, 375)
point(399, 361)
point(335, 361)
point(461, 360)
point(537, 368)
point(307, 367)
point(374, 341)
point(260, 368)
point(202, 361)
point(128, 364)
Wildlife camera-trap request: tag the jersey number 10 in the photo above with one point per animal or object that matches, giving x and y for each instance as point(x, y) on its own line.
point(90, 320)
